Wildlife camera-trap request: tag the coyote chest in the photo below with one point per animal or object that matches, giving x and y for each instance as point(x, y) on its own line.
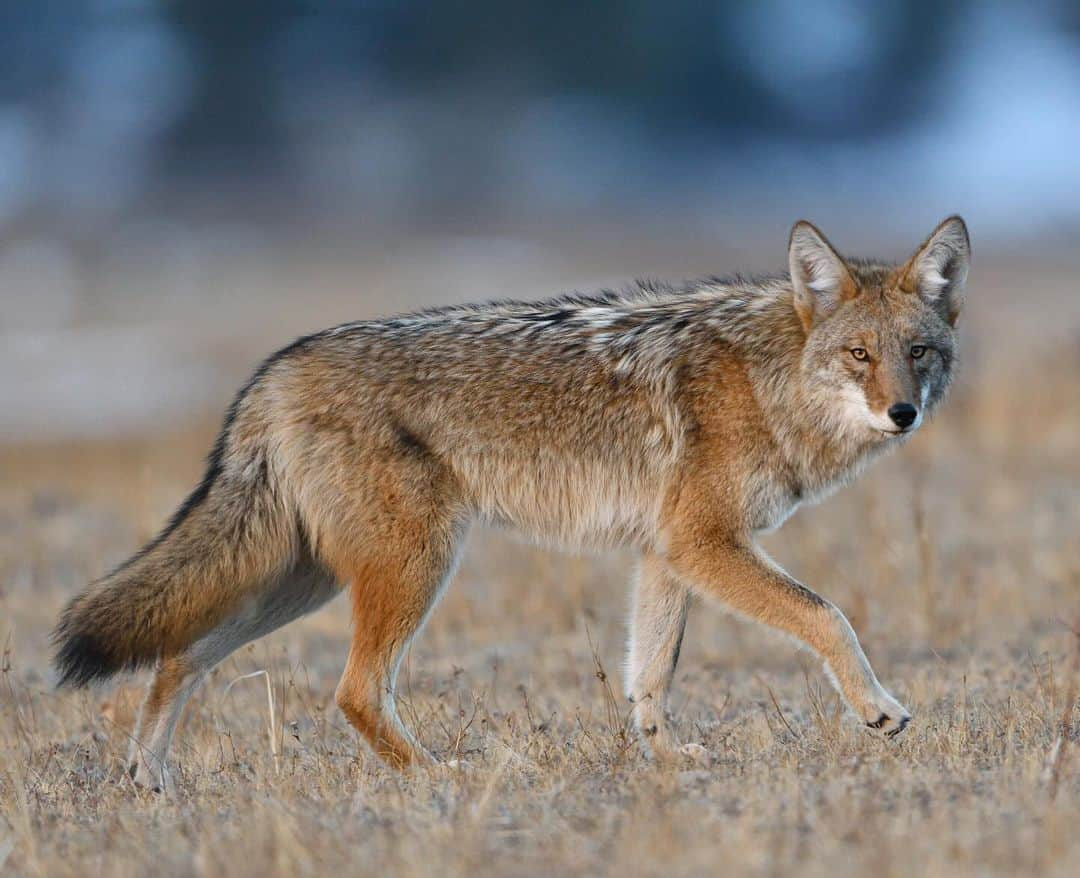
point(775, 492)
point(773, 509)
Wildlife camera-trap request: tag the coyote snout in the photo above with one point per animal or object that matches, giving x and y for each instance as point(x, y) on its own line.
point(903, 414)
point(680, 421)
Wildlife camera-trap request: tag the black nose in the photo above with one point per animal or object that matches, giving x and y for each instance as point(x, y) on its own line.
point(903, 414)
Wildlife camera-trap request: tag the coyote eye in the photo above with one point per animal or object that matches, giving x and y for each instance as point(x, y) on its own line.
point(860, 354)
point(917, 350)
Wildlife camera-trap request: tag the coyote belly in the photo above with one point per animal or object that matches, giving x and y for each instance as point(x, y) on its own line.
point(573, 484)
point(679, 421)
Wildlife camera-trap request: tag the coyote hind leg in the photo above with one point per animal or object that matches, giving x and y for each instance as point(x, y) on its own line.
point(657, 623)
point(174, 681)
point(303, 589)
point(394, 588)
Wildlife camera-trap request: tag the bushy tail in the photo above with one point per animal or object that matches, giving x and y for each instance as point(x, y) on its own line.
point(221, 546)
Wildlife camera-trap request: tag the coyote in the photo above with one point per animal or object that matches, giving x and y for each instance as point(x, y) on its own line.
point(677, 420)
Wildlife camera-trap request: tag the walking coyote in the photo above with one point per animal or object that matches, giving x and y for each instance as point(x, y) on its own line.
point(678, 420)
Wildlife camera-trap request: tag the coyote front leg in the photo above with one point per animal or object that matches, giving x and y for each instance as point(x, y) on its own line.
point(740, 575)
point(657, 622)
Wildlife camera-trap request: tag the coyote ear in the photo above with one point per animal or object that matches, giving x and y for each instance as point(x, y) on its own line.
point(938, 270)
point(820, 277)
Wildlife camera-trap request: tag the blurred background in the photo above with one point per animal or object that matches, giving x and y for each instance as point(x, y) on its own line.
point(185, 185)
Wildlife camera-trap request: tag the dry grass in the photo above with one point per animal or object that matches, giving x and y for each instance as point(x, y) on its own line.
point(957, 561)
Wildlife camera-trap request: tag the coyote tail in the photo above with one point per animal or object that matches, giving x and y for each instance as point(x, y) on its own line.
point(226, 540)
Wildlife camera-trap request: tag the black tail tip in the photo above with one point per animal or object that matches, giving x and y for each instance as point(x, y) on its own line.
point(81, 659)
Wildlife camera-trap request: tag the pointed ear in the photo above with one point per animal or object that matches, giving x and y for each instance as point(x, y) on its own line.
point(820, 277)
point(938, 270)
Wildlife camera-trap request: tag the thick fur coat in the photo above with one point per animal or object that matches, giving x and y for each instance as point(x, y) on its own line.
point(678, 420)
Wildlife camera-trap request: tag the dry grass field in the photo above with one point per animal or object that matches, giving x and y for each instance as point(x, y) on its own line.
point(957, 560)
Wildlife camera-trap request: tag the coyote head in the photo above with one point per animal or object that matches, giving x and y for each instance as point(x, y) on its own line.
point(880, 339)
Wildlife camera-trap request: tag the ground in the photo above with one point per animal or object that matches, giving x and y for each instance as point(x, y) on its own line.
point(957, 561)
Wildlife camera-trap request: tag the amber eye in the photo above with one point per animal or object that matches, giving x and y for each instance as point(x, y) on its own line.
point(917, 350)
point(860, 354)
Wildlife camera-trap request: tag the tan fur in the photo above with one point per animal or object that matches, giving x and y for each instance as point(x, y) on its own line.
point(680, 421)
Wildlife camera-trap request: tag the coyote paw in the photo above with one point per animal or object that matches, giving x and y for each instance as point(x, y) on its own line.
point(886, 715)
point(890, 726)
point(152, 781)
